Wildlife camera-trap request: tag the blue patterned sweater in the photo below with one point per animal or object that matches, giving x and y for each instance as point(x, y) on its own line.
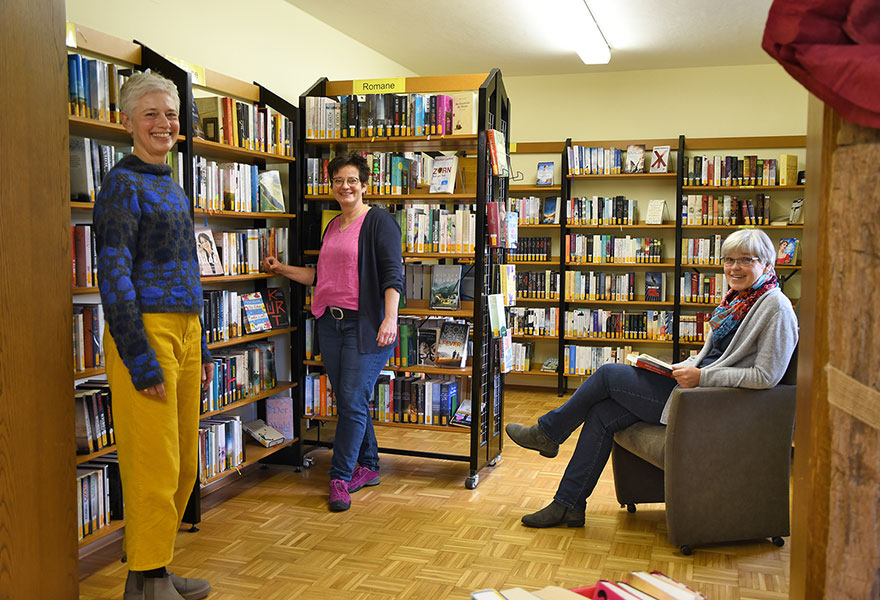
point(147, 259)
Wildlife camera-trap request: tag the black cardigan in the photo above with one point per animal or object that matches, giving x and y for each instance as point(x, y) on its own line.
point(380, 266)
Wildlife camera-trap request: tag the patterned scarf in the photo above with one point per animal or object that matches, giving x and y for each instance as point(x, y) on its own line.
point(728, 315)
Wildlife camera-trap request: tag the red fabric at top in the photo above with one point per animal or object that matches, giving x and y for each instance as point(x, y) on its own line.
point(832, 47)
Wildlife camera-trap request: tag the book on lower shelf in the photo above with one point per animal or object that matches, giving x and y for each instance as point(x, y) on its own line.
point(545, 173)
point(452, 345)
point(650, 363)
point(256, 318)
point(443, 174)
point(263, 433)
point(787, 253)
point(445, 286)
point(462, 417)
point(206, 249)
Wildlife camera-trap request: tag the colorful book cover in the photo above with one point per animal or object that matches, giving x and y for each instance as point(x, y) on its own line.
point(445, 286)
point(443, 174)
point(206, 249)
point(255, 316)
point(271, 192)
point(635, 158)
point(276, 307)
point(452, 345)
point(787, 254)
point(545, 173)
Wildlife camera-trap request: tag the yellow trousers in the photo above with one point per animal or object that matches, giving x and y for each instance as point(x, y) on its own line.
point(157, 440)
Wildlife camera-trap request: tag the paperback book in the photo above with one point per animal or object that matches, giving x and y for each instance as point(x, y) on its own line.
point(445, 286)
point(635, 158)
point(462, 417)
point(787, 254)
point(255, 316)
point(206, 249)
point(263, 433)
point(659, 159)
point(452, 347)
point(443, 174)
point(271, 192)
point(276, 308)
point(650, 363)
point(545, 173)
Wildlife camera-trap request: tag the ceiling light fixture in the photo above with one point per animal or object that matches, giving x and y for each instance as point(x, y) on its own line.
point(590, 44)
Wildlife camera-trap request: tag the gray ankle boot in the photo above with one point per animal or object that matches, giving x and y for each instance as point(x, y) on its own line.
point(160, 588)
point(190, 587)
point(555, 515)
point(532, 438)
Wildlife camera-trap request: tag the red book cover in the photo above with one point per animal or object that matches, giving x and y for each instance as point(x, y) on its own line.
point(706, 205)
point(492, 214)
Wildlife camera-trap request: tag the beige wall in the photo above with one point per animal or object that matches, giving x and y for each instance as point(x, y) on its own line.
point(268, 41)
point(697, 102)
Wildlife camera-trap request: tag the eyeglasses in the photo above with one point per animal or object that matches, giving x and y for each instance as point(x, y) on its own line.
point(743, 261)
point(352, 181)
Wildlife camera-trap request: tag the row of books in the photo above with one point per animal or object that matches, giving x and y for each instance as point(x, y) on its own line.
point(632, 325)
point(503, 226)
point(239, 374)
point(88, 333)
point(533, 210)
point(236, 187)
point(585, 360)
point(703, 288)
point(221, 446)
point(538, 284)
point(600, 210)
point(252, 126)
point(586, 160)
point(582, 248)
point(532, 249)
point(227, 314)
point(93, 88)
point(98, 495)
point(84, 258)
point(437, 230)
point(441, 284)
point(746, 170)
point(534, 321)
point(705, 209)
point(90, 161)
point(391, 115)
point(694, 328)
point(391, 173)
point(93, 417)
point(522, 353)
point(618, 287)
point(702, 251)
point(238, 252)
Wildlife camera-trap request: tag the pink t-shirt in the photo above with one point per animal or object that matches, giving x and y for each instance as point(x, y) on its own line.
point(338, 280)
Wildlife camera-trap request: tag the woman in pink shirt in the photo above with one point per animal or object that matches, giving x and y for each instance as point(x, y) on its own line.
point(359, 279)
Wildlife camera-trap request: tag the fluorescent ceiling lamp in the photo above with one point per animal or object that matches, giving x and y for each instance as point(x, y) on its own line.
point(589, 43)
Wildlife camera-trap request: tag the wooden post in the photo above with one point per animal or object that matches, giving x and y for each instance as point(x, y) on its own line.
point(836, 509)
point(37, 463)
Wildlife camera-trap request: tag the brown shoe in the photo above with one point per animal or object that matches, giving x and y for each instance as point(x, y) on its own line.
point(188, 588)
point(533, 439)
point(555, 515)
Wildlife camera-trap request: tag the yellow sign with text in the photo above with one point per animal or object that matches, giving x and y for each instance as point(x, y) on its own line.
point(396, 85)
point(197, 72)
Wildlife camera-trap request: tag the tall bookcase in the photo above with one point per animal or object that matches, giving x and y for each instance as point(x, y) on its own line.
point(482, 376)
point(201, 82)
point(673, 232)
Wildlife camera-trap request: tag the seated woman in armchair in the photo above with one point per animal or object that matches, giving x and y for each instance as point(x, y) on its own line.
point(754, 333)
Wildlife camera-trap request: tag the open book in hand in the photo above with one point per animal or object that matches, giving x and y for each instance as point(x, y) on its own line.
point(651, 363)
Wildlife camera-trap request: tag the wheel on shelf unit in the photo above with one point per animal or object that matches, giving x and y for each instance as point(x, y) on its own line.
point(308, 461)
point(630, 508)
point(778, 541)
point(472, 481)
point(495, 461)
point(686, 550)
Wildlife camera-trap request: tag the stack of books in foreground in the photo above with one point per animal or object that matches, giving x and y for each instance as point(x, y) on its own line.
point(639, 585)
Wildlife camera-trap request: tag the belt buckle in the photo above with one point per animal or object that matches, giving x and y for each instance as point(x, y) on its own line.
point(333, 313)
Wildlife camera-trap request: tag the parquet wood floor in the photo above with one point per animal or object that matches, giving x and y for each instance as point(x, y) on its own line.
point(422, 535)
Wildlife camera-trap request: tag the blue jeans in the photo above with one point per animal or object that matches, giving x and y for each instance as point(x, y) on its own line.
point(352, 376)
point(612, 399)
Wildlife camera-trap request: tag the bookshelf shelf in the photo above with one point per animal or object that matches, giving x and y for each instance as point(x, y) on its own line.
point(663, 265)
point(216, 150)
point(417, 256)
point(402, 143)
point(639, 301)
point(739, 188)
point(80, 291)
point(253, 337)
point(88, 373)
point(554, 261)
point(553, 226)
point(102, 532)
point(427, 370)
point(229, 214)
point(235, 278)
point(540, 300)
point(526, 189)
point(255, 452)
point(615, 340)
point(524, 336)
point(634, 226)
point(699, 266)
point(795, 227)
point(93, 128)
point(626, 176)
point(452, 428)
point(81, 458)
point(279, 387)
point(458, 198)
point(536, 371)
point(82, 205)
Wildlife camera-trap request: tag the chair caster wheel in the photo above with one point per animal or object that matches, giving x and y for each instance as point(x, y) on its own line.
point(630, 508)
point(686, 550)
point(778, 541)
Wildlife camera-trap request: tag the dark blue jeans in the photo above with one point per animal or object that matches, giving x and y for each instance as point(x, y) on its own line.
point(352, 376)
point(612, 399)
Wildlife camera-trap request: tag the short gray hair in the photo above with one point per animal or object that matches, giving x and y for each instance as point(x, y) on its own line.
point(140, 84)
point(750, 241)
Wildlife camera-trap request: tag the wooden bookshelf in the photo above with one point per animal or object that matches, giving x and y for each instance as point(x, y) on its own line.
point(552, 226)
point(457, 198)
point(408, 143)
point(635, 176)
point(81, 291)
point(82, 458)
point(235, 278)
point(637, 301)
point(102, 532)
point(252, 337)
point(533, 189)
point(279, 387)
point(426, 369)
point(82, 205)
point(216, 150)
point(623, 227)
point(663, 265)
point(616, 340)
point(424, 427)
point(230, 214)
point(255, 452)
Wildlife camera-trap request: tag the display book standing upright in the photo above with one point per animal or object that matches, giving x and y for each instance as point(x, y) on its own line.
point(101, 133)
point(474, 184)
point(535, 320)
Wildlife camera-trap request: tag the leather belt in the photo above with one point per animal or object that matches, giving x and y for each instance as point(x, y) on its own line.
point(340, 313)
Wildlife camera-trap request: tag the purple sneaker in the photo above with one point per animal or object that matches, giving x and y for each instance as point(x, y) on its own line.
point(361, 477)
point(340, 500)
